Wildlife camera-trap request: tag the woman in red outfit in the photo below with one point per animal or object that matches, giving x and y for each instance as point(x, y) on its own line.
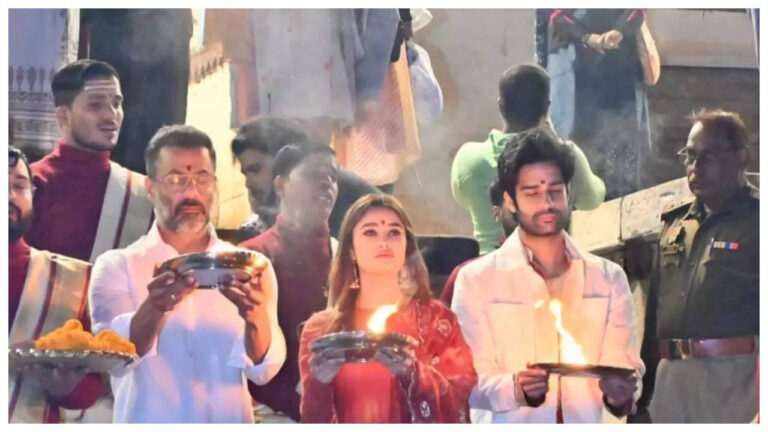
point(378, 263)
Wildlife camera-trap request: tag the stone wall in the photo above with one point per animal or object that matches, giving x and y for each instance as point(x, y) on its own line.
point(469, 50)
point(682, 90)
point(208, 109)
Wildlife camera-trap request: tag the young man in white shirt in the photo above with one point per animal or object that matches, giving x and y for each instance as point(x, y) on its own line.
point(502, 301)
point(196, 346)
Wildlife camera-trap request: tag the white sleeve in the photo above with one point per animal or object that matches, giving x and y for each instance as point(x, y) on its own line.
point(621, 346)
point(275, 356)
point(495, 389)
point(110, 301)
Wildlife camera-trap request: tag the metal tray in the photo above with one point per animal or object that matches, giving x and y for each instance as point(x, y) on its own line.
point(93, 361)
point(208, 267)
point(568, 369)
point(361, 346)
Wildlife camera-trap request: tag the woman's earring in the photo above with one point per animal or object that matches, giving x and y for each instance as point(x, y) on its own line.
point(404, 279)
point(355, 285)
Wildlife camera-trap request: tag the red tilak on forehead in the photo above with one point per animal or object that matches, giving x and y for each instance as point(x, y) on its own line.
point(383, 222)
point(189, 167)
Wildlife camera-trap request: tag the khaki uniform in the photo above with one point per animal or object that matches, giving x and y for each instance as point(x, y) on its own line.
point(706, 286)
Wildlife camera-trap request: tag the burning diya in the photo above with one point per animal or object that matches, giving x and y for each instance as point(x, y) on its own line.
point(360, 346)
point(208, 267)
point(573, 362)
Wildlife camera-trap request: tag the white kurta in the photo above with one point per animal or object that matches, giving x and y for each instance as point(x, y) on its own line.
point(197, 369)
point(495, 302)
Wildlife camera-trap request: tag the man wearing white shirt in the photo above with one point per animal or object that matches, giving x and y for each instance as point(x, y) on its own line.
point(197, 347)
point(503, 299)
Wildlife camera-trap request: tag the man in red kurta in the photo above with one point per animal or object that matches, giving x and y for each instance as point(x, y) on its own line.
point(299, 246)
point(44, 290)
point(86, 204)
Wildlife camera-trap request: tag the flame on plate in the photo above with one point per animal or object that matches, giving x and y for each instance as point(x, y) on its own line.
point(378, 321)
point(571, 350)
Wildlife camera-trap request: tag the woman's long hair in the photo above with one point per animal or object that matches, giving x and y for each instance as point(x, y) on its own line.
point(341, 297)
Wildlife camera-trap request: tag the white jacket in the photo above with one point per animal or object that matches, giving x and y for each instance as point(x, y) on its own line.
point(494, 301)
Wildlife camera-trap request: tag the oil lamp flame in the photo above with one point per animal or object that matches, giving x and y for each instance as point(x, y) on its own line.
point(571, 351)
point(378, 321)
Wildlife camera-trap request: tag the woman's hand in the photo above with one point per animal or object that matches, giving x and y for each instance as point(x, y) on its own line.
point(610, 40)
point(593, 41)
point(325, 365)
point(399, 362)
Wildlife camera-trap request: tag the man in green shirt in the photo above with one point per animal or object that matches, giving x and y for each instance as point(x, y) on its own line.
point(524, 104)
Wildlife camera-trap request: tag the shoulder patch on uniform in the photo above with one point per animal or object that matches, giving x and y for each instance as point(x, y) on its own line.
point(676, 207)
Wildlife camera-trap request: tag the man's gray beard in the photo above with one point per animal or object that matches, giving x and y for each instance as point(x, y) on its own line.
point(181, 226)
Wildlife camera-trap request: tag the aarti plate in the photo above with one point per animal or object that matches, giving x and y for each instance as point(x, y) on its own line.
point(209, 267)
point(361, 346)
point(92, 361)
point(569, 369)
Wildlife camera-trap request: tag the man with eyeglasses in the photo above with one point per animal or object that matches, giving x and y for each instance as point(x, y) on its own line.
point(44, 291)
point(86, 204)
point(702, 322)
point(196, 347)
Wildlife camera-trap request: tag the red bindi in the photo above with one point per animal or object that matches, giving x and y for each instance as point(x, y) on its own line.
point(382, 222)
point(189, 167)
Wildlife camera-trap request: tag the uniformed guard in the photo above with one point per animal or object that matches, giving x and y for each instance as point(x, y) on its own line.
point(702, 322)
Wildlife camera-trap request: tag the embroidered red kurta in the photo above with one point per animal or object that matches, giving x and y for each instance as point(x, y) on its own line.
point(88, 391)
point(435, 391)
point(371, 401)
point(70, 186)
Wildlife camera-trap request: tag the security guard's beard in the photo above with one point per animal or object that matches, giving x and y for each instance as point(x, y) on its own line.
point(529, 225)
point(19, 228)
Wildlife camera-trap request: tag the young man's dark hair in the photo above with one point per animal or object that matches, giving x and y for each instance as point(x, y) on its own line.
point(536, 145)
point(14, 156)
point(176, 136)
point(264, 136)
point(496, 194)
point(524, 95)
point(290, 156)
point(267, 135)
point(69, 80)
